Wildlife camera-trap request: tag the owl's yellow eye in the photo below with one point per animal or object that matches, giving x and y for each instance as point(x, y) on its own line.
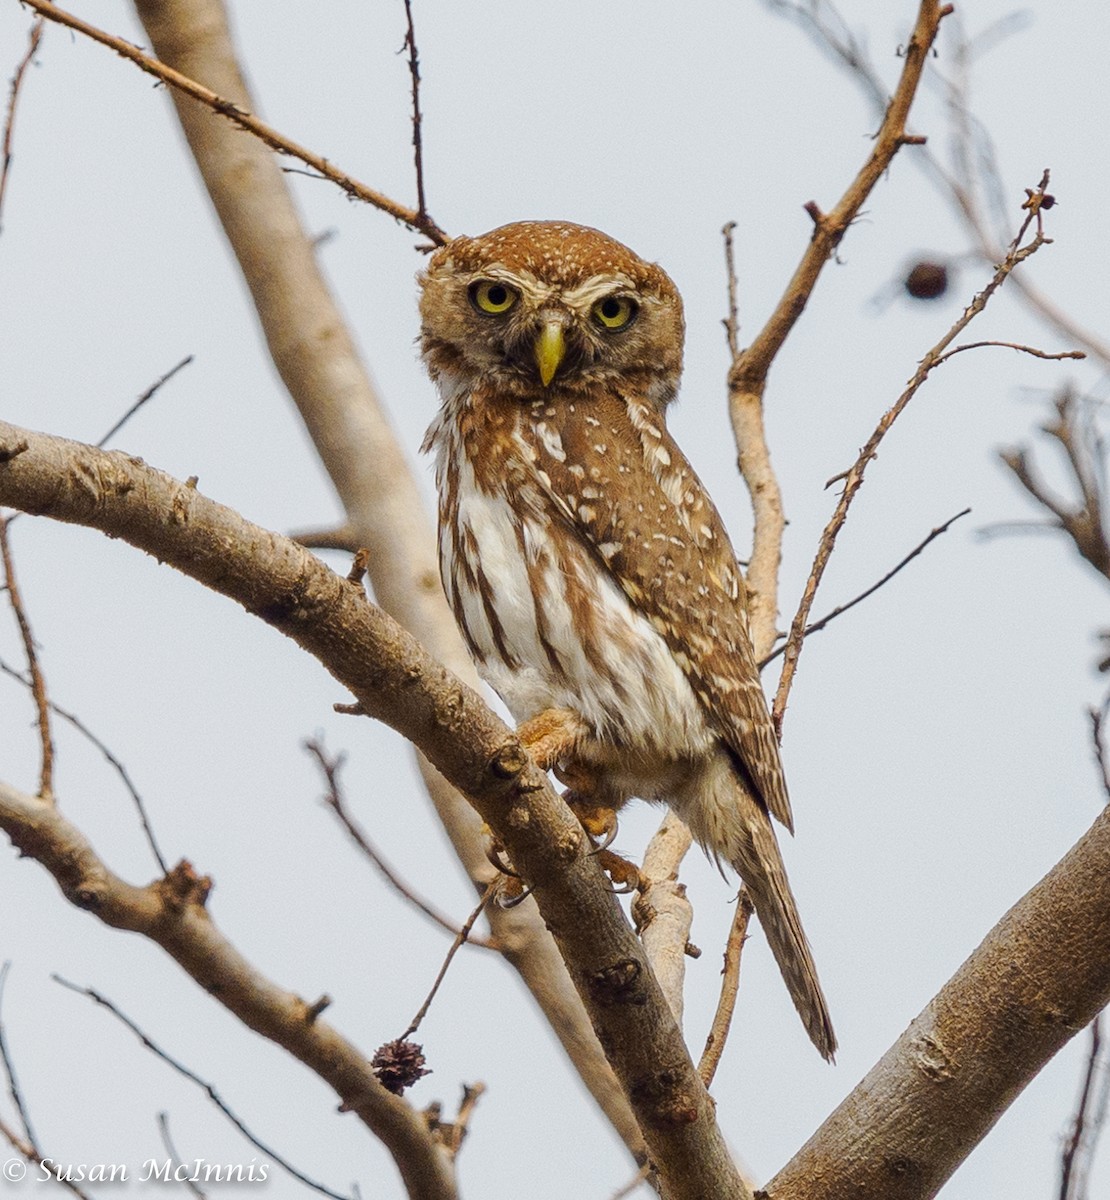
point(492, 297)
point(615, 312)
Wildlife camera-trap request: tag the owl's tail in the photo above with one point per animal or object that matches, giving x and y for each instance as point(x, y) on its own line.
point(759, 863)
point(735, 828)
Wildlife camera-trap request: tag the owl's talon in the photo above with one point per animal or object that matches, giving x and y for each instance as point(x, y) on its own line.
point(512, 892)
point(623, 888)
point(625, 876)
point(608, 837)
point(493, 853)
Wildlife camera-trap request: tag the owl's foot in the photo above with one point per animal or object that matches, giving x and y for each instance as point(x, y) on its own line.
point(511, 891)
point(599, 820)
point(551, 735)
point(624, 874)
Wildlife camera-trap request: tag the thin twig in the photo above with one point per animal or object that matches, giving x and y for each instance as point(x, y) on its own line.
point(452, 1134)
point(120, 769)
point(456, 945)
point(418, 221)
point(1079, 1147)
point(333, 798)
point(730, 987)
point(175, 1158)
point(417, 140)
point(32, 1154)
point(1102, 758)
point(843, 608)
point(853, 478)
point(957, 182)
point(1011, 346)
point(38, 683)
point(33, 40)
point(747, 377)
point(1085, 522)
point(732, 321)
point(147, 395)
point(203, 1084)
point(9, 1068)
point(633, 1184)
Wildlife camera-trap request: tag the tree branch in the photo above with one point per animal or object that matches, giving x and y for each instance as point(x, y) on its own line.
point(1037, 979)
point(171, 912)
point(205, 1086)
point(242, 117)
point(395, 680)
point(853, 477)
point(316, 357)
point(747, 376)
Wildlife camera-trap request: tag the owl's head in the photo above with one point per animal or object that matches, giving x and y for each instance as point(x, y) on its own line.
point(539, 307)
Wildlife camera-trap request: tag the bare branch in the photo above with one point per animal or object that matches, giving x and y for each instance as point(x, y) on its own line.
point(1038, 978)
point(171, 1150)
point(1010, 346)
point(732, 321)
point(1085, 522)
point(149, 394)
point(730, 988)
point(417, 138)
point(205, 1086)
point(853, 478)
point(393, 679)
point(747, 376)
point(9, 1067)
point(31, 1153)
point(1079, 1148)
point(38, 683)
point(418, 221)
point(113, 761)
point(956, 183)
point(33, 40)
point(663, 913)
point(171, 912)
point(452, 1134)
point(456, 945)
point(1098, 739)
point(26, 1144)
point(840, 609)
point(333, 798)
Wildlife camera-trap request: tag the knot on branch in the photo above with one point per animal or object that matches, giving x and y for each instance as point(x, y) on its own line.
point(618, 983)
point(667, 1102)
point(510, 760)
point(183, 887)
point(932, 1059)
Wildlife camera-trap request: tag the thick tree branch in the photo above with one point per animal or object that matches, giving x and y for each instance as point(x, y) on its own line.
point(171, 912)
point(1038, 978)
point(394, 679)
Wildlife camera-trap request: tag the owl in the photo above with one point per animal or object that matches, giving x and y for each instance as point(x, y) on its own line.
point(589, 571)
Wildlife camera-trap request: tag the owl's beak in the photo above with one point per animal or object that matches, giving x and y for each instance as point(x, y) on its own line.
point(550, 348)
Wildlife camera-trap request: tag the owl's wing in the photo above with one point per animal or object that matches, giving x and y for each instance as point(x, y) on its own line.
point(623, 484)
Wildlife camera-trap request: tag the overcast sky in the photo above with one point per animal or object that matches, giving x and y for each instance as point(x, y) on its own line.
point(936, 744)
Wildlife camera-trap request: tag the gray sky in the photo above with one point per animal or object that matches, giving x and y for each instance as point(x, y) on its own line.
point(936, 744)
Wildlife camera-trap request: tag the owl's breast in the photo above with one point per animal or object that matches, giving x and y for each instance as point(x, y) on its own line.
point(548, 626)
